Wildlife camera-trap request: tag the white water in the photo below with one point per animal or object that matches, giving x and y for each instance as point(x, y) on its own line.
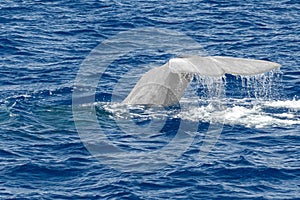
point(256, 107)
point(244, 113)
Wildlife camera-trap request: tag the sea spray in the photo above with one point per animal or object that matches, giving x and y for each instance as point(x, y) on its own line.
point(250, 101)
point(209, 89)
point(262, 86)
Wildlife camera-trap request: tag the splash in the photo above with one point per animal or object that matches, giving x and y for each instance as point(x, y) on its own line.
point(255, 104)
point(262, 86)
point(212, 87)
point(293, 105)
point(244, 113)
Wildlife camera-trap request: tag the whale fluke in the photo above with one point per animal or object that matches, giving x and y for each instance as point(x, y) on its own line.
point(217, 66)
point(165, 85)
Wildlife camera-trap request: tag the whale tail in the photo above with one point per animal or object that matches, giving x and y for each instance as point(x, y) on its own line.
point(216, 66)
point(165, 85)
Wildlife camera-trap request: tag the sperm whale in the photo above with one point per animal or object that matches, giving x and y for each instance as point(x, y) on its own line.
point(165, 85)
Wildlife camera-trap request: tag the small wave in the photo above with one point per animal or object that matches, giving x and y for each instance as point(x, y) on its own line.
point(290, 104)
point(258, 115)
point(121, 111)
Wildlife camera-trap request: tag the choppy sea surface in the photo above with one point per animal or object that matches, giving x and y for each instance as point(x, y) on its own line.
point(256, 154)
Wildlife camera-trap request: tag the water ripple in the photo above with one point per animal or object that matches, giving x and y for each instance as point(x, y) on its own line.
point(42, 45)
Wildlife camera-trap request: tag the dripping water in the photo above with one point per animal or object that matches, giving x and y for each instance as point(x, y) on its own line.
point(251, 101)
point(262, 87)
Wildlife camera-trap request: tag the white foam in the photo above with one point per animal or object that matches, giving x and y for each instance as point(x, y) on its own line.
point(290, 104)
point(285, 115)
point(244, 114)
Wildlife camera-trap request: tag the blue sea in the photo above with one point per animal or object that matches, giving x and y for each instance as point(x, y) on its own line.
point(66, 66)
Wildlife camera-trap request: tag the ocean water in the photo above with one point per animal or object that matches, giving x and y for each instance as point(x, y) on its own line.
point(234, 137)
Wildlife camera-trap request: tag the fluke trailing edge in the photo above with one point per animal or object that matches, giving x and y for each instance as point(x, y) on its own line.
point(165, 85)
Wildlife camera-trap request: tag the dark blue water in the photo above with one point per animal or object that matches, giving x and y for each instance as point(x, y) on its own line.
point(42, 46)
